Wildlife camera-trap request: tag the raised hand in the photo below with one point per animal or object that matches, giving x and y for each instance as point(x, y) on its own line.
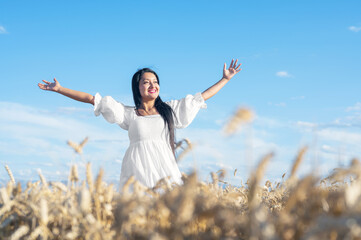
point(227, 75)
point(55, 86)
point(76, 95)
point(232, 70)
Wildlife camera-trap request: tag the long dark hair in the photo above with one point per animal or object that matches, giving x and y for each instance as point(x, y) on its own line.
point(164, 109)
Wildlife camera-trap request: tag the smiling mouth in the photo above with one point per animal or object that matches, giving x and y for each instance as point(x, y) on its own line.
point(152, 91)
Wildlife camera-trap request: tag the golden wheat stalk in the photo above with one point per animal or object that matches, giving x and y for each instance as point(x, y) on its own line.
point(221, 174)
point(78, 148)
point(214, 177)
point(10, 174)
point(297, 161)
point(4, 196)
point(97, 194)
point(98, 181)
point(300, 192)
point(89, 177)
point(74, 176)
point(256, 178)
point(36, 233)
point(20, 232)
point(59, 186)
point(85, 200)
point(42, 178)
point(44, 218)
point(126, 186)
point(241, 116)
point(188, 148)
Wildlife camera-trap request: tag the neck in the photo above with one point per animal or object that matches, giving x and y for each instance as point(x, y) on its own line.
point(147, 105)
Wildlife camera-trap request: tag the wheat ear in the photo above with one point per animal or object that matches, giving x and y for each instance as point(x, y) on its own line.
point(10, 174)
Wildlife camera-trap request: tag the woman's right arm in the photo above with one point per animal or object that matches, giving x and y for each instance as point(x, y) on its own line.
point(76, 95)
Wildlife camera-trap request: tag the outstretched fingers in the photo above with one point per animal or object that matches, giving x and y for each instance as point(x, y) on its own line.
point(230, 65)
point(235, 63)
point(45, 86)
point(42, 86)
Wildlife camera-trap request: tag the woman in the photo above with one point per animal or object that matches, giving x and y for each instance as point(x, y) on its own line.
point(150, 124)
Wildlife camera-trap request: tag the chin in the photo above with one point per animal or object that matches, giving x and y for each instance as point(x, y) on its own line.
point(150, 97)
point(153, 95)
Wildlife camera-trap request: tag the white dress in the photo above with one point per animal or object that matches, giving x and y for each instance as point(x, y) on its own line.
point(149, 156)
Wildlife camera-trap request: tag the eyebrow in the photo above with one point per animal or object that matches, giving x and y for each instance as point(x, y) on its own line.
point(149, 79)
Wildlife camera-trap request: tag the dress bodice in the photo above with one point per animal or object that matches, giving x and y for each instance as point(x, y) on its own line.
point(149, 156)
point(147, 128)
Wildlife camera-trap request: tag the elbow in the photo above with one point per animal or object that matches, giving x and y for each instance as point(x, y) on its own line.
point(204, 96)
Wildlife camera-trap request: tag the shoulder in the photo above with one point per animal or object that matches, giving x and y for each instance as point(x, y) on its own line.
point(108, 103)
point(188, 100)
point(110, 100)
point(129, 108)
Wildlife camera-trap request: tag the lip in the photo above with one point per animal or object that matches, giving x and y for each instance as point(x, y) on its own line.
point(152, 91)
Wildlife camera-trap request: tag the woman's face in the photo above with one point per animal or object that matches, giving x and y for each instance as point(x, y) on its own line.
point(148, 86)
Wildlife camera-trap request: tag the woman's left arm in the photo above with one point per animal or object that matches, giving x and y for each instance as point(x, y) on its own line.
point(227, 75)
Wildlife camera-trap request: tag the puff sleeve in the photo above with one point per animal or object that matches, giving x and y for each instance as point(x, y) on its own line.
point(186, 109)
point(112, 111)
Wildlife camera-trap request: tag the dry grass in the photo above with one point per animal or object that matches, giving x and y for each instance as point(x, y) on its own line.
point(308, 208)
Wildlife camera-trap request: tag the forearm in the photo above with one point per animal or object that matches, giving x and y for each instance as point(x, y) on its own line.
point(76, 95)
point(211, 91)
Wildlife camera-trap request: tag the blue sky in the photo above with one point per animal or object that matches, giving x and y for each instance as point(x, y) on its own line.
point(301, 76)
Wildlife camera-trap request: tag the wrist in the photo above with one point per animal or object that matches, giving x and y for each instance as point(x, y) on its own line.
point(58, 90)
point(225, 78)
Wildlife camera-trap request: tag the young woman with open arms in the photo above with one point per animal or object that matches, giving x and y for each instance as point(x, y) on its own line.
point(150, 124)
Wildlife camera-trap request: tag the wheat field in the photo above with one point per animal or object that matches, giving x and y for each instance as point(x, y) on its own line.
point(293, 208)
point(306, 208)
